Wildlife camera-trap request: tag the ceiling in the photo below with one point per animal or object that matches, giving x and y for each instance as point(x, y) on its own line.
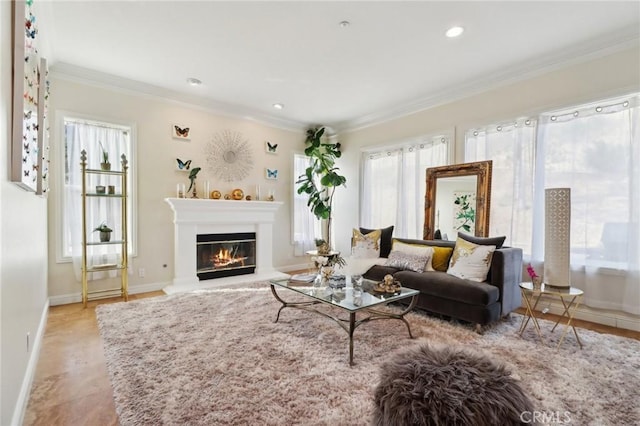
point(393, 58)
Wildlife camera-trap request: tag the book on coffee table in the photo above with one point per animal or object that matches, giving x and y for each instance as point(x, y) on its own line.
point(303, 278)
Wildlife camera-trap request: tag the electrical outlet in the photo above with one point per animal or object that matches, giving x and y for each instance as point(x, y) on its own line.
point(141, 272)
point(28, 341)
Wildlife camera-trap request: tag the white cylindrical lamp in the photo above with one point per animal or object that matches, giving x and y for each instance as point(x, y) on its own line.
point(557, 237)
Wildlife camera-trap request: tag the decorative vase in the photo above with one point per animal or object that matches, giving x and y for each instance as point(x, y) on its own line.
point(105, 166)
point(537, 283)
point(322, 279)
point(105, 236)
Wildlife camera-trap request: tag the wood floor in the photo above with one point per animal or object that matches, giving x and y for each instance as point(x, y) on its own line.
point(71, 384)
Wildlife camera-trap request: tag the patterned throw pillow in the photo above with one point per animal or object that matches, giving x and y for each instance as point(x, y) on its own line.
point(418, 249)
point(365, 246)
point(470, 261)
point(407, 261)
point(385, 239)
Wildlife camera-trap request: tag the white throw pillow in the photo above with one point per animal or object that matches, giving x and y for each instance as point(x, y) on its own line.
point(365, 246)
point(418, 249)
point(470, 261)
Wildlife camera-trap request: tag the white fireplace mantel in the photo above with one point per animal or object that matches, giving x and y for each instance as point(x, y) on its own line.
point(202, 216)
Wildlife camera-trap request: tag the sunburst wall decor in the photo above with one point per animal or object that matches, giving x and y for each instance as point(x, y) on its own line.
point(229, 156)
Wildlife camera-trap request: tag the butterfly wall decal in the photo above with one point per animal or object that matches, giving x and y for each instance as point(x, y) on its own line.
point(272, 148)
point(183, 165)
point(272, 174)
point(181, 132)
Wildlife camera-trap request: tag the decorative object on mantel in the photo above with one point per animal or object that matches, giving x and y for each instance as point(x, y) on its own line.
point(192, 178)
point(183, 165)
point(271, 196)
point(229, 156)
point(237, 194)
point(271, 148)
point(557, 237)
point(180, 192)
point(227, 196)
point(180, 132)
point(322, 169)
point(216, 195)
point(248, 198)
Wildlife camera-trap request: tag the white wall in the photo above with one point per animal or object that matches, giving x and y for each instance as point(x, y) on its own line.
point(157, 175)
point(612, 75)
point(23, 258)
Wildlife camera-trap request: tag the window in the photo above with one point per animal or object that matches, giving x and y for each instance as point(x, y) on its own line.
point(594, 150)
point(81, 134)
point(306, 228)
point(393, 184)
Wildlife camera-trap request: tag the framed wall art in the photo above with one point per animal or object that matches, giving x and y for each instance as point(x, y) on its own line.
point(42, 186)
point(270, 148)
point(26, 122)
point(180, 132)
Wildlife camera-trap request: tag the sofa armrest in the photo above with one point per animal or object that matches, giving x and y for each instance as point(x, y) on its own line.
point(506, 274)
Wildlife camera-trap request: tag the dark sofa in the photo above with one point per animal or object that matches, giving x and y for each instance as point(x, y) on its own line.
point(477, 302)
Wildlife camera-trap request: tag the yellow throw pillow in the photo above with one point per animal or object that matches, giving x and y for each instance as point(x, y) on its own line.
point(441, 256)
point(365, 246)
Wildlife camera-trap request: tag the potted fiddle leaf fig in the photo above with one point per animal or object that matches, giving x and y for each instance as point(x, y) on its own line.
point(105, 232)
point(321, 178)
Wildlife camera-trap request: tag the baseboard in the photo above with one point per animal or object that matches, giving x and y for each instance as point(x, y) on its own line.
point(65, 299)
point(27, 380)
point(605, 317)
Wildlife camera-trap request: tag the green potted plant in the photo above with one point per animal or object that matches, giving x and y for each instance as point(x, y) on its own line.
point(105, 232)
point(105, 164)
point(321, 178)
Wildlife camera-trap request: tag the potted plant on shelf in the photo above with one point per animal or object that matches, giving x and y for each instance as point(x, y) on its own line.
point(105, 164)
point(321, 178)
point(105, 232)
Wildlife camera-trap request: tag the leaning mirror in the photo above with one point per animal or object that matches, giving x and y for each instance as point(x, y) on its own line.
point(458, 198)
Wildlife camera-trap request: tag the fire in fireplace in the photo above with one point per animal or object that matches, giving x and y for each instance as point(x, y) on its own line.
point(225, 255)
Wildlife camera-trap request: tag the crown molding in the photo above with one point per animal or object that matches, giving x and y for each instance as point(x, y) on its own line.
point(76, 74)
point(627, 38)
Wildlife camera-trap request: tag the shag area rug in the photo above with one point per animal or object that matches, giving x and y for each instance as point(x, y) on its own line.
point(218, 358)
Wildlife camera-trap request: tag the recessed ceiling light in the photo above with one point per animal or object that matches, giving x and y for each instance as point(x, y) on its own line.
point(454, 31)
point(278, 106)
point(194, 81)
point(344, 24)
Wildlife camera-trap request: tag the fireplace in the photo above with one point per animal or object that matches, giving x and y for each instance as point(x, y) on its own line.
point(225, 255)
point(194, 217)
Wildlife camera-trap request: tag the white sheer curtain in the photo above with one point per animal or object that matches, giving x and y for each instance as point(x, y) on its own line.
point(85, 135)
point(393, 185)
point(595, 151)
point(511, 147)
point(306, 228)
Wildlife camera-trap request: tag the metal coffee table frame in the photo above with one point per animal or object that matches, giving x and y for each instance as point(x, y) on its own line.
point(325, 297)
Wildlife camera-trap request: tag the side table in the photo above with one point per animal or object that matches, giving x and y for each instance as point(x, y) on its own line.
point(570, 298)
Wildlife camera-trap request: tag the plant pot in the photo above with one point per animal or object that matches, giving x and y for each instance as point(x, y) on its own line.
point(105, 236)
point(100, 189)
point(105, 166)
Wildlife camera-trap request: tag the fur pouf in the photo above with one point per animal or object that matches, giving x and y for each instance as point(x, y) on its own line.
point(443, 385)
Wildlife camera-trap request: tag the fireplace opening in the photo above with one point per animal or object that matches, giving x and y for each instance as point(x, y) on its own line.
point(225, 255)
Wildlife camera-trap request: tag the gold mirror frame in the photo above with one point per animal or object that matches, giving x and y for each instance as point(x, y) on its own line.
point(480, 169)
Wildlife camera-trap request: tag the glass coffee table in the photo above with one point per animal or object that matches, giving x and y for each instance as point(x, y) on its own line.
point(354, 301)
